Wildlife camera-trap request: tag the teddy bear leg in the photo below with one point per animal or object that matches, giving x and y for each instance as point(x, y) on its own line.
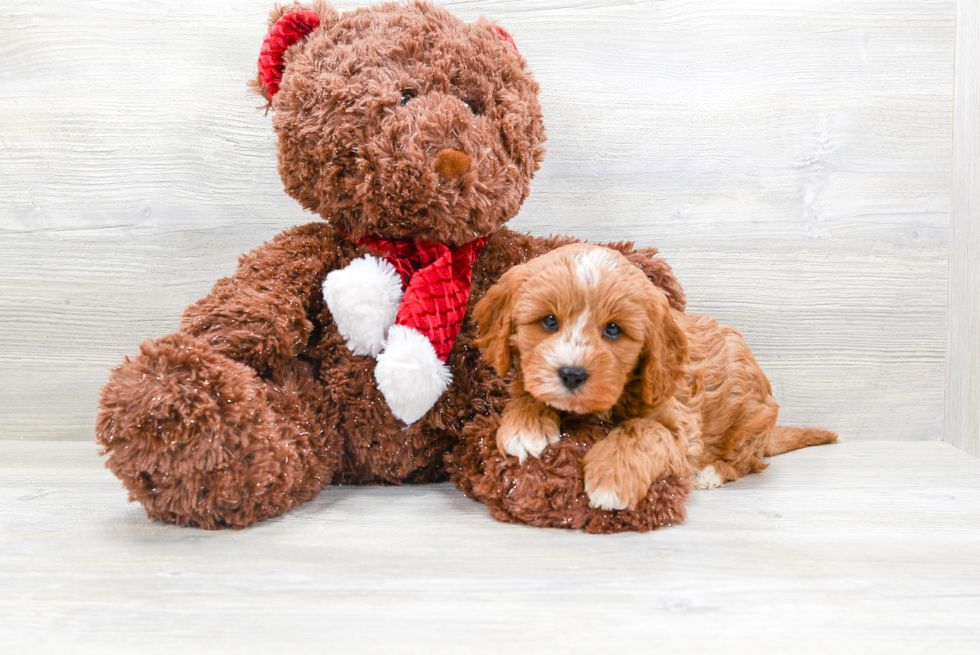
point(550, 491)
point(199, 439)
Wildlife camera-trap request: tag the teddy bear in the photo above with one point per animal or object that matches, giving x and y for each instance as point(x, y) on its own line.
point(342, 352)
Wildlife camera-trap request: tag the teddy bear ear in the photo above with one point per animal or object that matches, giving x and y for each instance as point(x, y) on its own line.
point(287, 26)
point(505, 35)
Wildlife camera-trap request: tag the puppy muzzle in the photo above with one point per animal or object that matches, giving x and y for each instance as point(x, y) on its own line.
point(573, 377)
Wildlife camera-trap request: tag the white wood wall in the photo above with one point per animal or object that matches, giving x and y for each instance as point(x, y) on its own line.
point(963, 358)
point(792, 159)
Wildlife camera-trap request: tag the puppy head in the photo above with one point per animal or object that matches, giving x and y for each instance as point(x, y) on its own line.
point(584, 326)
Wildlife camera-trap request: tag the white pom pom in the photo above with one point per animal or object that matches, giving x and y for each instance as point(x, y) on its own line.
point(409, 374)
point(363, 299)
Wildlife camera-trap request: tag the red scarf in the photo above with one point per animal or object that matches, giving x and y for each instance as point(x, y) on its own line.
point(436, 280)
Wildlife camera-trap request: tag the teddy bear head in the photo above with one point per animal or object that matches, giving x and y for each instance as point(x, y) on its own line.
point(400, 120)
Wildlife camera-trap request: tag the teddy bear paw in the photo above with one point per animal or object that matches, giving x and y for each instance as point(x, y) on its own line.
point(409, 374)
point(363, 299)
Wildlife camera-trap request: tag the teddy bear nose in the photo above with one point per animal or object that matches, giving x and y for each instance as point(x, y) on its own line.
point(452, 164)
point(573, 377)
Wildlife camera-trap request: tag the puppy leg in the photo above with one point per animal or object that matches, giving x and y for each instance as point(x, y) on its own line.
point(712, 476)
point(743, 445)
point(527, 427)
point(620, 468)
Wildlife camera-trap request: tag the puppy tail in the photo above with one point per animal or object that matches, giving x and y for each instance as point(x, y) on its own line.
point(783, 439)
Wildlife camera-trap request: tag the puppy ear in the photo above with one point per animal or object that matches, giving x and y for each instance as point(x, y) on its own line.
point(494, 315)
point(665, 352)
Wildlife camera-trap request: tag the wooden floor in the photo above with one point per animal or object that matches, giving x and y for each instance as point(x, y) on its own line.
point(858, 547)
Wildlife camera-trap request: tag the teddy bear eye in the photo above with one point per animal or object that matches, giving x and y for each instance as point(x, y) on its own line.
point(549, 323)
point(407, 94)
point(474, 106)
point(612, 331)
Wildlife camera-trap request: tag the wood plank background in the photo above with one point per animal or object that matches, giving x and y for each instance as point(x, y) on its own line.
point(962, 427)
point(792, 160)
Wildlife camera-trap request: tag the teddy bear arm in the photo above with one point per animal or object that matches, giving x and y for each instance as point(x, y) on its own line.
point(261, 316)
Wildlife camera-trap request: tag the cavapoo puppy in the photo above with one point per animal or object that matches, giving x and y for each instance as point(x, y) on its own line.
point(588, 333)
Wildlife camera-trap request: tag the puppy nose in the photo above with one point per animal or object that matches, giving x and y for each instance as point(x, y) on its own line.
point(452, 164)
point(573, 377)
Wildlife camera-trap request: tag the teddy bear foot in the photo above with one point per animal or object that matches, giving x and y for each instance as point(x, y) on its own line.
point(550, 491)
point(199, 439)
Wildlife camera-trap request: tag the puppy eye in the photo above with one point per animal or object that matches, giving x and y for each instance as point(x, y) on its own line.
point(474, 106)
point(407, 94)
point(612, 331)
point(549, 323)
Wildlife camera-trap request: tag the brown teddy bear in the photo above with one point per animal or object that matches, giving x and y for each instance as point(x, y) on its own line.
point(342, 351)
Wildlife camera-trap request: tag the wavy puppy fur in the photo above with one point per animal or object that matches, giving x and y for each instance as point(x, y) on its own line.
point(591, 335)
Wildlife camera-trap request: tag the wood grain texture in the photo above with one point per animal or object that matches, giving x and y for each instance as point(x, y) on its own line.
point(791, 159)
point(854, 548)
point(962, 427)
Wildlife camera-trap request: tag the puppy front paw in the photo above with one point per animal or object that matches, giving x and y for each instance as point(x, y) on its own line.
point(522, 435)
point(606, 491)
point(606, 499)
point(613, 479)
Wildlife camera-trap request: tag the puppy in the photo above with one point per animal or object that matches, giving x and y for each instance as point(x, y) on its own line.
point(588, 333)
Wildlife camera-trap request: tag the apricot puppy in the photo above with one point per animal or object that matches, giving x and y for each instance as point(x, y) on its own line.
point(588, 333)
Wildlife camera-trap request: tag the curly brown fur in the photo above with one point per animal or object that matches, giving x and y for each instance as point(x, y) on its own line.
point(200, 439)
point(256, 403)
point(350, 150)
point(549, 491)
